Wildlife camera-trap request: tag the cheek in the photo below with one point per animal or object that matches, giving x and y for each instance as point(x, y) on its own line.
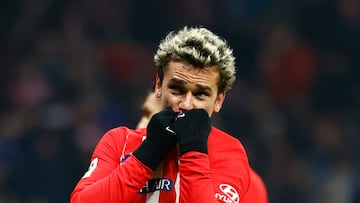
point(210, 109)
point(206, 105)
point(168, 100)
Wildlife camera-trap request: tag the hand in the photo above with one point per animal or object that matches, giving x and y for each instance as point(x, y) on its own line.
point(192, 129)
point(160, 139)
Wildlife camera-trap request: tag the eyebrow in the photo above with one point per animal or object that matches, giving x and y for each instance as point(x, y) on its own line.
point(175, 80)
point(183, 82)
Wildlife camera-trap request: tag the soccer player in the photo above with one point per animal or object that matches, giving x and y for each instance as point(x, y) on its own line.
point(257, 192)
point(180, 156)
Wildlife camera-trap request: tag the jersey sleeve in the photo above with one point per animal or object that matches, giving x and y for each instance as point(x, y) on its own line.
point(220, 176)
point(108, 180)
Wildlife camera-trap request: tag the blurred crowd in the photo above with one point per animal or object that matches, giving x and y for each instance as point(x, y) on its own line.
point(71, 70)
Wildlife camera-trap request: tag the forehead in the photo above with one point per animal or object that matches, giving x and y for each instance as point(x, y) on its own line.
point(185, 73)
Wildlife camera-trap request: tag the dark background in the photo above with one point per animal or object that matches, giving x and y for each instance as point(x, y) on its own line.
point(71, 70)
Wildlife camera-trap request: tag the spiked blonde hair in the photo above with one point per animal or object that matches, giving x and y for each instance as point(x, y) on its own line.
point(201, 48)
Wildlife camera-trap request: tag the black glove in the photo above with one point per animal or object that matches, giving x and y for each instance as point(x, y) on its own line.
point(192, 129)
point(160, 139)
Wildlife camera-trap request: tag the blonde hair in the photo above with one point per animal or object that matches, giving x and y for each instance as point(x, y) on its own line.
point(201, 48)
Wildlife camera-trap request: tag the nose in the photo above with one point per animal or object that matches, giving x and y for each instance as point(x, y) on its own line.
point(186, 102)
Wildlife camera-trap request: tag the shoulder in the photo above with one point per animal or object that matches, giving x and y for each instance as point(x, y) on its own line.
point(122, 132)
point(221, 139)
point(222, 146)
point(115, 139)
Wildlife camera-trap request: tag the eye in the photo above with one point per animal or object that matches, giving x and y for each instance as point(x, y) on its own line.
point(201, 94)
point(176, 89)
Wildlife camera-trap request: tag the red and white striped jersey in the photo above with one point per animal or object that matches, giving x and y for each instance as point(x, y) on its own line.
point(115, 175)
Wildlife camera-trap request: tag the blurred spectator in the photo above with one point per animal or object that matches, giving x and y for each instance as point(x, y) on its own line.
point(287, 65)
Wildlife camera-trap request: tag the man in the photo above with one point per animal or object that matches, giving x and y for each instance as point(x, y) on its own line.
point(257, 192)
point(179, 157)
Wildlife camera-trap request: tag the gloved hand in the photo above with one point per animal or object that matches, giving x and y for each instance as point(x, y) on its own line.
point(160, 139)
point(192, 129)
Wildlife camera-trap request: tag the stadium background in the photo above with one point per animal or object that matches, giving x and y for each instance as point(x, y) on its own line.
point(70, 70)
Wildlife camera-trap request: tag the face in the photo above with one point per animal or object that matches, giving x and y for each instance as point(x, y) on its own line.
point(185, 87)
point(150, 106)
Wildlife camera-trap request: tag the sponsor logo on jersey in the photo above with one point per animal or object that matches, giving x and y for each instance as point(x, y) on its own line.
point(157, 184)
point(229, 194)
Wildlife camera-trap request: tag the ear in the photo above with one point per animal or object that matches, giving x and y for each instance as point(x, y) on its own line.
point(157, 89)
point(219, 102)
